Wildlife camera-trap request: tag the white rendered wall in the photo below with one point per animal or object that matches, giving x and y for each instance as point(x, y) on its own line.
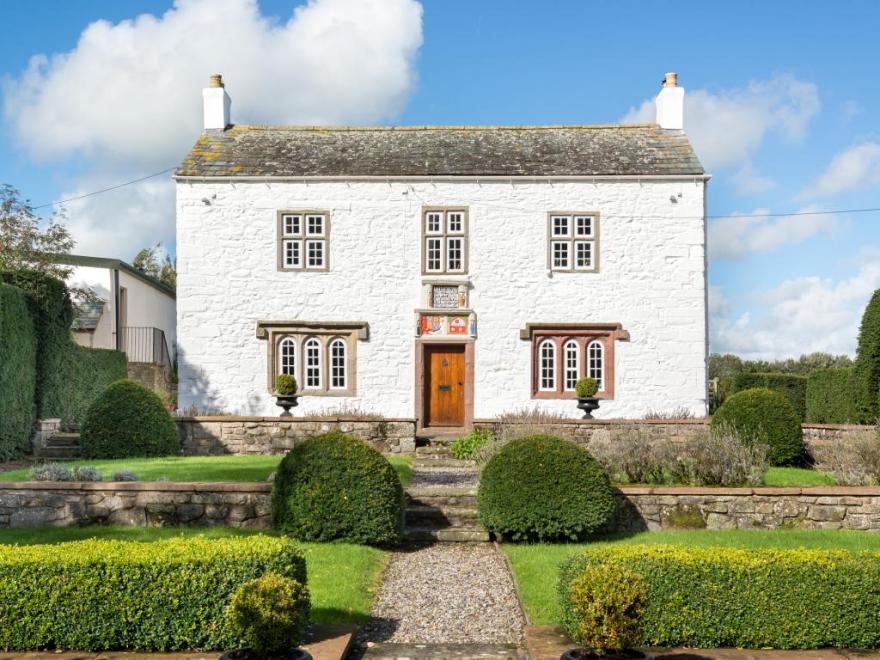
point(99, 280)
point(651, 280)
point(147, 307)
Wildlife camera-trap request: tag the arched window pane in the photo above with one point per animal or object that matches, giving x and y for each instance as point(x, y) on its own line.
point(312, 350)
point(287, 357)
point(572, 355)
point(596, 363)
point(337, 365)
point(547, 376)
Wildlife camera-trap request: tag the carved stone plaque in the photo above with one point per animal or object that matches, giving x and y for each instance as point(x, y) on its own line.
point(444, 297)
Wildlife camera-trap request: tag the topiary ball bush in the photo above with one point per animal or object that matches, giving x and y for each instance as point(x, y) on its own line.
point(761, 415)
point(543, 488)
point(333, 487)
point(128, 420)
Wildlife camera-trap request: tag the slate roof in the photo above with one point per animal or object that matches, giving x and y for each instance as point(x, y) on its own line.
point(87, 315)
point(291, 151)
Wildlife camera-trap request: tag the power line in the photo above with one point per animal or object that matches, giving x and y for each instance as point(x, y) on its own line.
point(780, 215)
point(103, 190)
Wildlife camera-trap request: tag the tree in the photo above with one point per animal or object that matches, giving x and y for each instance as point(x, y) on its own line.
point(148, 262)
point(867, 365)
point(23, 244)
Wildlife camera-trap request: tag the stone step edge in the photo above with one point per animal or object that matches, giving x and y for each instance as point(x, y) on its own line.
point(441, 651)
point(423, 492)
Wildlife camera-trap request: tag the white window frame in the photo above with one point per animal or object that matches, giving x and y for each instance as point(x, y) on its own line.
point(331, 362)
point(596, 362)
point(283, 344)
point(308, 367)
point(544, 384)
point(295, 230)
point(570, 372)
point(568, 228)
point(437, 231)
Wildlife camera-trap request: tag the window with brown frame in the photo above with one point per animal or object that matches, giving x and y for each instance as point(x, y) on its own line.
point(564, 353)
point(444, 241)
point(304, 240)
point(573, 242)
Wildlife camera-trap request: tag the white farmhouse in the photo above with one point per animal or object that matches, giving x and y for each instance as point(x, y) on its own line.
point(442, 273)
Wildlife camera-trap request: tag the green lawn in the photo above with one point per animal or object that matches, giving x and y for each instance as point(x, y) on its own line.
point(342, 577)
point(198, 468)
point(536, 566)
point(789, 476)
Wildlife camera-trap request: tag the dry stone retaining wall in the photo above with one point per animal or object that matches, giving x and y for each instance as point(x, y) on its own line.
point(206, 436)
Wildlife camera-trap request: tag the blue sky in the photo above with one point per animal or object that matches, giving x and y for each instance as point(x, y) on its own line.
point(782, 106)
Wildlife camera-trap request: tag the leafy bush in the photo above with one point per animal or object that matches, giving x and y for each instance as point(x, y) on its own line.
point(762, 416)
point(586, 387)
point(714, 597)
point(466, 447)
point(51, 472)
point(128, 420)
point(544, 488)
point(867, 364)
point(87, 473)
point(832, 397)
point(123, 475)
point(285, 385)
point(714, 457)
point(791, 386)
point(853, 460)
point(160, 596)
point(269, 614)
point(18, 374)
point(603, 606)
point(333, 488)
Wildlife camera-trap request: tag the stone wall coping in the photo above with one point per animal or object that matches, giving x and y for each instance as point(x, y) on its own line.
point(142, 486)
point(841, 491)
point(605, 422)
point(294, 420)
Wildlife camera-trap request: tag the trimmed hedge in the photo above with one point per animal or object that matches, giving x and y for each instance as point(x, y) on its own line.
point(17, 373)
point(88, 372)
point(764, 416)
point(719, 597)
point(831, 397)
point(792, 387)
point(544, 488)
point(867, 363)
point(127, 420)
point(160, 596)
point(336, 488)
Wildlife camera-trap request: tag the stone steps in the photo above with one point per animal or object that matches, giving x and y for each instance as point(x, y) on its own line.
point(441, 512)
point(60, 446)
point(446, 535)
point(440, 651)
point(438, 461)
point(420, 515)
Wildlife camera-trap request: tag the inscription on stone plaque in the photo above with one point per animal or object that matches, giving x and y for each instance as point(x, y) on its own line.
point(444, 297)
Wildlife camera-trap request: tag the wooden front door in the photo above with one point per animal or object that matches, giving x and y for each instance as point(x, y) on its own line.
point(444, 385)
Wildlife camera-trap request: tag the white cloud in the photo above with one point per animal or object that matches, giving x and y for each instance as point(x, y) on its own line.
point(737, 236)
point(855, 168)
point(727, 127)
point(127, 98)
point(748, 181)
point(802, 315)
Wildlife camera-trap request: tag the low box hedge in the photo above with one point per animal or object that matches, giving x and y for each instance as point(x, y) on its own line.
point(715, 597)
point(160, 596)
point(791, 386)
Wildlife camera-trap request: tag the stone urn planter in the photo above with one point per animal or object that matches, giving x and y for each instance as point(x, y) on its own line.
point(285, 393)
point(247, 654)
point(586, 389)
point(583, 653)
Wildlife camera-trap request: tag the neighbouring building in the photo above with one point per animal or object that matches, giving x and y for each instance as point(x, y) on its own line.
point(134, 313)
point(444, 273)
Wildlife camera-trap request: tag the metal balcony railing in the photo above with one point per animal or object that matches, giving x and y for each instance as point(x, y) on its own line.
point(142, 344)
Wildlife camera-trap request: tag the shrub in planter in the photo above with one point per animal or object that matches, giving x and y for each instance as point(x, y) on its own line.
point(544, 488)
point(285, 385)
point(336, 488)
point(586, 387)
point(764, 598)
point(762, 416)
point(269, 615)
point(604, 606)
point(128, 420)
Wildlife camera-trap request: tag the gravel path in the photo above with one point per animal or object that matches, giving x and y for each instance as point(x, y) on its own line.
point(442, 477)
point(447, 593)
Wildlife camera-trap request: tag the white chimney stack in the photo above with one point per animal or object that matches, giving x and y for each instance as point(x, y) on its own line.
point(217, 103)
point(670, 103)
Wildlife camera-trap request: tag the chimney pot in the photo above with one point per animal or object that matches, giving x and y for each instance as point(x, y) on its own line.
point(670, 104)
point(216, 80)
point(216, 104)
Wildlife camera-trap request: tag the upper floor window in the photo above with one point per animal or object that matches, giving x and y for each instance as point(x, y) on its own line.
point(573, 241)
point(303, 240)
point(444, 237)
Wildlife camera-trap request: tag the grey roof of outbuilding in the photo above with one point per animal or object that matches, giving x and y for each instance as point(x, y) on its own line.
point(87, 315)
point(447, 151)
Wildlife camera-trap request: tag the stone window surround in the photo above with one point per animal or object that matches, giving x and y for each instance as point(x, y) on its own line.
point(325, 331)
point(444, 235)
point(280, 238)
point(572, 240)
point(583, 333)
